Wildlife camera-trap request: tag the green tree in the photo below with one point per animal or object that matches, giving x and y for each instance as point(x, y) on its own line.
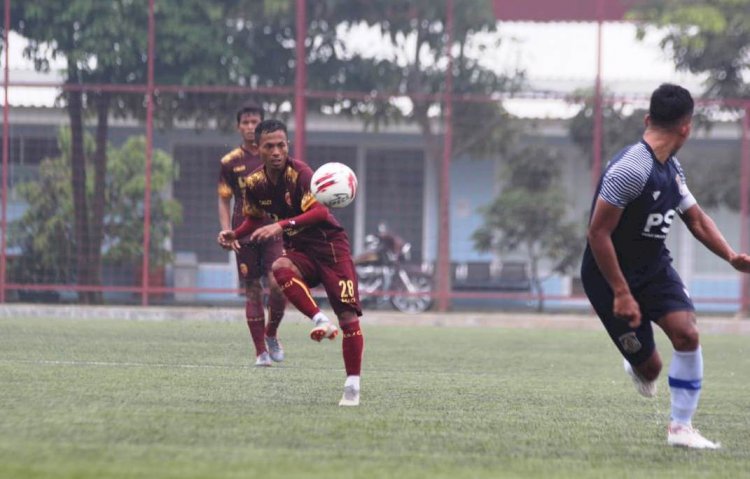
point(45, 235)
point(251, 43)
point(414, 32)
point(125, 209)
point(105, 43)
point(529, 215)
point(711, 37)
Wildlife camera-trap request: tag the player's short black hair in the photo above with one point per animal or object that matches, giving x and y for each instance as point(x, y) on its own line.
point(250, 108)
point(669, 106)
point(269, 126)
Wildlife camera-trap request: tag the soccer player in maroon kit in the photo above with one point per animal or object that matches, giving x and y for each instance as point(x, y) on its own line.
point(253, 259)
point(316, 246)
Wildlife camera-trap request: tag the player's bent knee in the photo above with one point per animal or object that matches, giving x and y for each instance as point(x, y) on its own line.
point(347, 317)
point(281, 263)
point(651, 368)
point(254, 309)
point(686, 340)
point(273, 286)
point(283, 276)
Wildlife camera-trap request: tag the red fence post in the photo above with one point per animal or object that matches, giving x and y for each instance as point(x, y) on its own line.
point(300, 79)
point(744, 207)
point(596, 167)
point(149, 151)
point(6, 155)
point(444, 253)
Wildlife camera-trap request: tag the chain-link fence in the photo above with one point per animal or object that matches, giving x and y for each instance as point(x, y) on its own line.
point(112, 155)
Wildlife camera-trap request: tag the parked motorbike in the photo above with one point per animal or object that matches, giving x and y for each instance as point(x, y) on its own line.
point(385, 275)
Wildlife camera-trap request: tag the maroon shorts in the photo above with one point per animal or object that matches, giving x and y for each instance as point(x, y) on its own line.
point(339, 278)
point(254, 260)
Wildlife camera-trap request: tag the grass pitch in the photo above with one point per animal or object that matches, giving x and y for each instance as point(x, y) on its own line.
point(179, 399)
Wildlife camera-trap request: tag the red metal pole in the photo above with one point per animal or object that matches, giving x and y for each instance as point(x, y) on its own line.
point(745, 207)
point(300, 80)
point(6, 155)
point(444, 254)
point(596, 167)
point(149, 151)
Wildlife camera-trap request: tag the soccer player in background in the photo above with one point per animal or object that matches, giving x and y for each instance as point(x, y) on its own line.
point(626, 269)
point(254, 260)
point(316, 247)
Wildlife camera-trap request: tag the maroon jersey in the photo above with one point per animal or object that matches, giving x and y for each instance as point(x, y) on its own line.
point(290, 197)
point(235, 166)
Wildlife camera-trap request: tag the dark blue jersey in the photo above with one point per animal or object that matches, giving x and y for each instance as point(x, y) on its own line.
point(650, 194)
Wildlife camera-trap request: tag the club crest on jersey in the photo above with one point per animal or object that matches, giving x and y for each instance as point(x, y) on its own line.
point(243, 269)
point(288, 199)
point(630, 343)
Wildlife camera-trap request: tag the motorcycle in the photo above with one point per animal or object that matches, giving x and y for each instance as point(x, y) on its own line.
point(385, 275)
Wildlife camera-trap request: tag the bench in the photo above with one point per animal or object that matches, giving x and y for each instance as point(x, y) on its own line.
point(512, 276)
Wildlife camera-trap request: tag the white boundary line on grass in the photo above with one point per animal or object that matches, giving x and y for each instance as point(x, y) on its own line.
point(484, 319)
point(53, 362)
point(119, 364)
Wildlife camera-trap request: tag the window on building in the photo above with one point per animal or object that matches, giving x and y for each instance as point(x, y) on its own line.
point(32, 150)
point(196, 191)
point(26, 153)
point(395, 194)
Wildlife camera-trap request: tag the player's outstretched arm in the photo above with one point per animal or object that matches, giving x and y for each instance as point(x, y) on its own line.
point(315, 214)
point(264, 233)
point(705, 230)
point(228, 238)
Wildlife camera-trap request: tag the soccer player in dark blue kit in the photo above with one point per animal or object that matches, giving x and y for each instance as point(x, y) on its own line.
point(627, 272)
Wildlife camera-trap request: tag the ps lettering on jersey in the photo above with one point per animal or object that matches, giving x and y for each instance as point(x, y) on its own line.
point(657, 224)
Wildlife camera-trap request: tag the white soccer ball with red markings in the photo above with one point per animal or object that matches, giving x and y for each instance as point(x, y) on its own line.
point(334, 185)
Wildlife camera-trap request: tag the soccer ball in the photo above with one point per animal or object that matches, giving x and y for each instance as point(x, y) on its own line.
point(334, 185)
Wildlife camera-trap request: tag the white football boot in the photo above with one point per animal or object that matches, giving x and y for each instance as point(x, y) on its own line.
point(263, 360)
point(645, 388)
point(275, 349)
point(350, 397)
point(682, 435)
point(323, 329)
